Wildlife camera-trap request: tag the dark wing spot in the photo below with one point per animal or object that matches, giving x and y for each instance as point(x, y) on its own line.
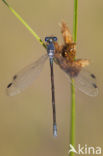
point(14, 77)
point(9, 85)
point(94, 85)
point(93, 76)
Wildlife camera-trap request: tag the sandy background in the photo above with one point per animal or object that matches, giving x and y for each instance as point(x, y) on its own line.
point(26, 119)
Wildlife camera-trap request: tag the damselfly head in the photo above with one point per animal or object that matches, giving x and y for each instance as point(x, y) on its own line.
point(50, 39)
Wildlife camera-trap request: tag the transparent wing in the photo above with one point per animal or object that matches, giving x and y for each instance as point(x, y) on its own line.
point(26, 76)
point(86, 82)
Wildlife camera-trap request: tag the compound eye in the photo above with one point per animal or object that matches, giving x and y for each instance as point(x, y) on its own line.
point(46, 39)
point(54, 38)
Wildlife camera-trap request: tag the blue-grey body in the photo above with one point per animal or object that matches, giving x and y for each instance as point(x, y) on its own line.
point(51, 51)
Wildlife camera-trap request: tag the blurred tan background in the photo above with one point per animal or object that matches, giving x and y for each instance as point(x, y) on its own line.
point(26, 119)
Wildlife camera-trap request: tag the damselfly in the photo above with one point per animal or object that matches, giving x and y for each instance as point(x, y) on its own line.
point(64, 56)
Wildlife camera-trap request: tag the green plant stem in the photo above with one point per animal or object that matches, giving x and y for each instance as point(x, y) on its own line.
point(72, 128)
point(24, 23)
point(75, 19)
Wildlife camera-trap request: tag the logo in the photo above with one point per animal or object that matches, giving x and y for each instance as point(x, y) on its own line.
point(85, 150)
